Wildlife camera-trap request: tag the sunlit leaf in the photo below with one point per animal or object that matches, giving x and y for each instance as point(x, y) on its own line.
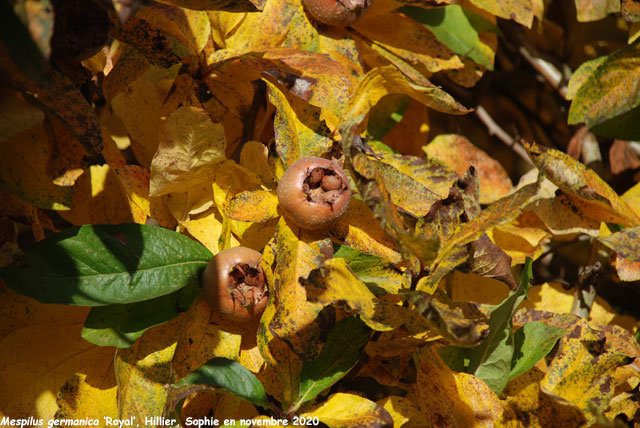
point(583, 183)
point(190, 144)
point(143, 370)
point(520, 11)
point(459, 153)
point(595, 10)
point(343, 410)
point(34, 367)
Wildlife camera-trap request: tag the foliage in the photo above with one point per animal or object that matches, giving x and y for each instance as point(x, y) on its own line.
point(140, 138)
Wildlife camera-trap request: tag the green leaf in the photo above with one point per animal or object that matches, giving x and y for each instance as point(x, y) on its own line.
point(491, 360)
point(224, 373)
point(531, 343)
point(120, 325)
point(97, 265)
point(610, 90)
point(380, 275)
point(339, 354)
point(623, 127)
point(452, 26)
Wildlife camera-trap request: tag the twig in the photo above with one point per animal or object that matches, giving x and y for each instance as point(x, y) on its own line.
point(547, 70)
point(495, 129)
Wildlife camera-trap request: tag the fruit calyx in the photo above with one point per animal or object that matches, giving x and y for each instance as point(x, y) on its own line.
point(246, 285)
point(324, 186)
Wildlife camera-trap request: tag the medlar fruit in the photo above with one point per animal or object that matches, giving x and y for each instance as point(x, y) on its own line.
point(233, 284)
point(314, 192)
point(337, 12)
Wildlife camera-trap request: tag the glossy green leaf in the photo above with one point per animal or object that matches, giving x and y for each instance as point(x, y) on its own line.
point(532, 342)
point(224, 373)
point(452, 26)
point(339, 354)
point(120, 325)
point(491, 360)
point(96, 265)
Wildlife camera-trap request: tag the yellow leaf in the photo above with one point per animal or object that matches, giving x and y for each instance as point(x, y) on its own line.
point(404, 412)
point(207, 229)
point(459, 154)
point(297, 127)
point(563, 217)
point(589, 191)
point(520, 11)
point(129, 65)
point(335, 282)
point(526, 405)
point(358, 228)
point(200, 340)
point(463, 400)
point(255, 156)
point(411, 132)
point(632, 198)
point(298, 252)
point(24, 173)
point(252, 206)
point(386, 80)
point(144, 369)
point(581, 371)
point(273, 22)
point(98, 199)
point(191, 27)
point(41, 350)
point(519, 242)
point(197, 199)
point(408, 39)
point(282, 362)
point(190, 144)
point(81, 395)
point(348, 410)
point(139, 109)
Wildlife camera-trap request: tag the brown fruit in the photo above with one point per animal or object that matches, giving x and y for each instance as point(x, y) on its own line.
point(233, 285)
point(314, 192)
point(337, 12)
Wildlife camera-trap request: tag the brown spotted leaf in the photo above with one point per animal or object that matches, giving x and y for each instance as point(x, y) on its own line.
point(463, 400)
point(226, 5)
point(520, 11)
point(610, 90)
point(625, 243)
point(582, 183)
point(298, 320)
point(459, 153)
point(313, 77)
point(594, 10)
point(581, 370)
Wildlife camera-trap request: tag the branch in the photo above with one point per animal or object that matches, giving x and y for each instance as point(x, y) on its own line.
point(495, 129)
